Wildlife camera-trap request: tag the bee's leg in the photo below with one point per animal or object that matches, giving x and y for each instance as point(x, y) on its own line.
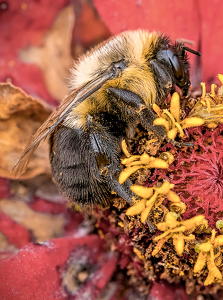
point(122, 190)
point(145, 115)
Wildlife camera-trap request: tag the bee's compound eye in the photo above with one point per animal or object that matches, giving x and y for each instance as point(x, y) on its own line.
point(118, 66)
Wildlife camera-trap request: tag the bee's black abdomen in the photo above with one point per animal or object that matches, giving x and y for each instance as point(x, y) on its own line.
point(74, 167)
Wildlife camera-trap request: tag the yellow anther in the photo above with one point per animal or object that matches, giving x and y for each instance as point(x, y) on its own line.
point(124, 175)
point(158, 163)
point(180, 129)
point(203, 89)
point(137, 208)
point(157, 109)
point(208, 105)
point(165, 188)
point(128, 161)
point(142, 191)
point(172, 133)
point(220, 77)
point(201, 262)
point(162, 122)
point(145, 213)
point(170, 116)
point(125, 149)
point(173, 197)
point(175, 106)
point(213, 87)
point(192, 122)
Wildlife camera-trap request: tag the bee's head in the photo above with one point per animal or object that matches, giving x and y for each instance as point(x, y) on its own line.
point(171, 61)
point(148, 65)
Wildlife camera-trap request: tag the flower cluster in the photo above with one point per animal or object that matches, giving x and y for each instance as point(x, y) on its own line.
point(195, 174)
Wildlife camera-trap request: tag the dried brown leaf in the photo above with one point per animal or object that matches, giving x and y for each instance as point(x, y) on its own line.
point(43, 226)
point(20, 116)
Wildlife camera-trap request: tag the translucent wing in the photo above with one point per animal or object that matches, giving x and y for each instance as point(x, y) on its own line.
point(57, 117)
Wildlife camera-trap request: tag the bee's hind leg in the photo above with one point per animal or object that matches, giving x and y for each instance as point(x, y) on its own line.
point(122, 190)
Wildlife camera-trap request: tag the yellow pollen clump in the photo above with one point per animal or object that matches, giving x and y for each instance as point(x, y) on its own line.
point(162, 122)
point(150, 197)
point(207, 256)
point(175, 106)
point(192, 122)
point(175, 229)
point(136, 162)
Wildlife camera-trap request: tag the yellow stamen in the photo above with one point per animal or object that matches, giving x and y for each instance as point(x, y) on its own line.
point(213, 87)
point(220, 77)
point(192, 122)
point(172, 133)
point(162, 122)
point(201, 262)
point(165, 188)
point(142, 191)
point(180, 129)
point(175, 106)
point(124, 175)
point(173, 197)
point(203, 89)
point(125, 149)
point(170, 116)
point(157, 109)
point(158, 163)
point(137, 208)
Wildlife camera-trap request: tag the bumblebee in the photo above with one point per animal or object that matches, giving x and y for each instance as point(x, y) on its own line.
point(113, 88)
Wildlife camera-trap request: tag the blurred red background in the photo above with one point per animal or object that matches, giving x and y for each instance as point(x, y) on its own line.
point(38, 41)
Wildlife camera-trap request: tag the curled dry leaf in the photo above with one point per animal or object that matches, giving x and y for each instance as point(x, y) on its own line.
point(42, 225)
point(20, 116)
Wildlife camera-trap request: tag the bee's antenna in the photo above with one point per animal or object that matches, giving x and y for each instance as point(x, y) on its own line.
point(190, 50)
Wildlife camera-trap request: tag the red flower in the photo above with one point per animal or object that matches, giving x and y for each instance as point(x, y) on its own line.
point(198, 176)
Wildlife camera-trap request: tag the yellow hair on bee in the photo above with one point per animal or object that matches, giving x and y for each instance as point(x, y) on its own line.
point(136, 47)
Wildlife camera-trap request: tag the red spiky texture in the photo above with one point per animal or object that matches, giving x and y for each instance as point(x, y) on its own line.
point(204, 180)
point(198, 173)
